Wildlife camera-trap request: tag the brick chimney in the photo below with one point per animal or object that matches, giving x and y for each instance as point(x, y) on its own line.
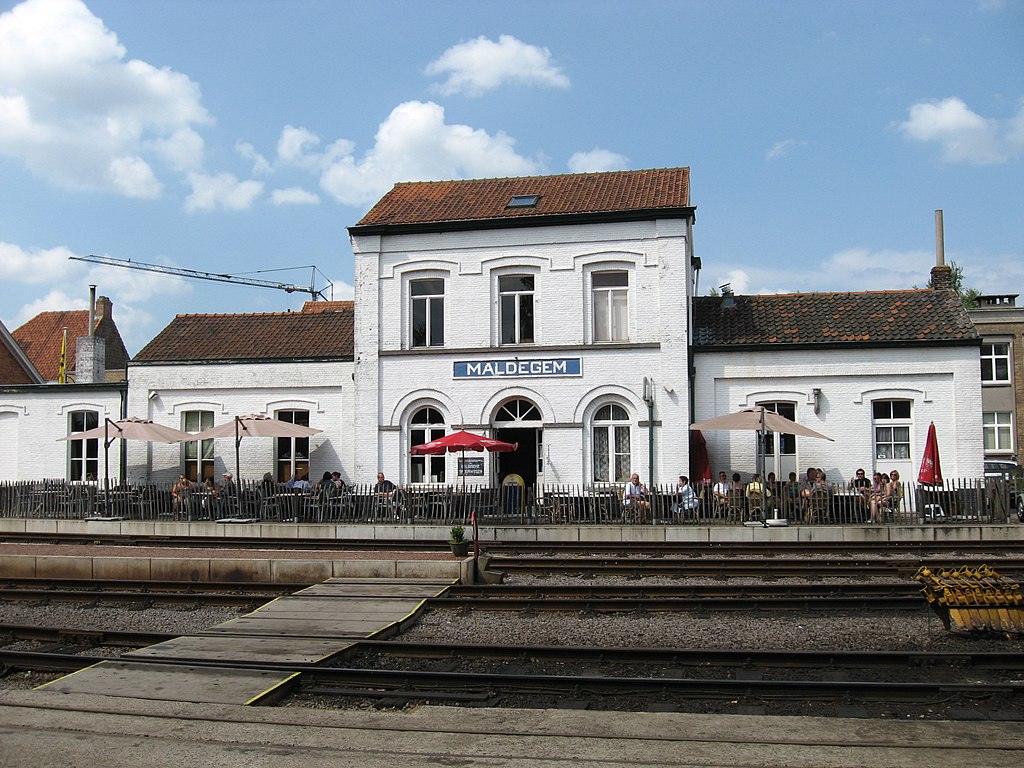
point(942, 275)
point(91, 350)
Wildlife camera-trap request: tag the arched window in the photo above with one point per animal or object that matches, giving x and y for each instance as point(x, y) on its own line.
point(426, 424)
point(515, 412)
point(610, 442)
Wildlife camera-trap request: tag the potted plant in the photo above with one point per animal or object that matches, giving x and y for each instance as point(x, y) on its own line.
point(457, 541)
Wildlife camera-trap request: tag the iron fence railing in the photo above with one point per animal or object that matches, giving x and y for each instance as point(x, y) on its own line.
point(956, 501)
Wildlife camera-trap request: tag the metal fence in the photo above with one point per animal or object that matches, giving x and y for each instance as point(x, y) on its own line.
point(957, 501)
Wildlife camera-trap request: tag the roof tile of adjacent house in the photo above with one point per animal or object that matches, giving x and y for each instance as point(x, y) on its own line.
point(41, 336)
point(874, 317)
point(320, 330)
point(422, 202)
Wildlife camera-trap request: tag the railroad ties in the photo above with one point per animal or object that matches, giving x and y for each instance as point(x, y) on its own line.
point(232, 662)
point(974, 600)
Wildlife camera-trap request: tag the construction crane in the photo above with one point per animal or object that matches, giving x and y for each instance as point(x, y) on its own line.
point(194, 274)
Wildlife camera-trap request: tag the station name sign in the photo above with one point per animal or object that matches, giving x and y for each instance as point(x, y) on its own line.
point(507, 369)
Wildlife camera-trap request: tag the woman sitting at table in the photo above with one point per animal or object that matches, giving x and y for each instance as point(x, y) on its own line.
point(879, 498)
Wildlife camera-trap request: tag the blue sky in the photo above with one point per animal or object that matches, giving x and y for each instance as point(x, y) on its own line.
point(236, 137)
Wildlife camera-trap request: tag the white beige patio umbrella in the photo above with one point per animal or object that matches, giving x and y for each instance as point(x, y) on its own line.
point(253, 425)
point(127, 429)
point(760, 420)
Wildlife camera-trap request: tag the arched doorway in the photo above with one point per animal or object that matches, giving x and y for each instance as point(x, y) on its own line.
point(519, 421)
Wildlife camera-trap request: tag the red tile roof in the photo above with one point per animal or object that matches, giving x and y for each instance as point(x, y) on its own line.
point(423, 202)
point(832, 319)
point(321, 333)
point(41, 338)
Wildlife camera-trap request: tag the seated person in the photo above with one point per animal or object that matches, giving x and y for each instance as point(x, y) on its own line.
point(773, 492)
point(686, 498)
point(384, 486)
point(339, 484)
point(878, 501)
point(299, 482)
point(634, 499)
point(181, 492)
point(757, 494)
point(720, 491)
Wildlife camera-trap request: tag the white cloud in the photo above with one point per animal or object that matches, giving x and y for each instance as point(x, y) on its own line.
point(221, 191)
point(296, 146)
point(738, 280)
point(481, 65)
point(35, 266)
point(596, 161)
point(260, 165)
point(415, 144)
point(293, 196)
point(342, 291)
point(76, 112)
point(780, 148)
point(963, 135)
point(55, 300)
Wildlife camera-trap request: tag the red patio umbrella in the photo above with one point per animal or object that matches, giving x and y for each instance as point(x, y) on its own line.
point(460, 442)
point(931, 470)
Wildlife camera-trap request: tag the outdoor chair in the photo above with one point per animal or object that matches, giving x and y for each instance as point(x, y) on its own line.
point(817, 506)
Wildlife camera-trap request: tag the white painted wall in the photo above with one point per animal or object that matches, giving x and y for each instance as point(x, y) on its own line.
point(163, 392)
point(392, 380)
point(943, 384)
point(32, 421)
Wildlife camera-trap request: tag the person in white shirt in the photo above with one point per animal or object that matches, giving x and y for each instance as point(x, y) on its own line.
point(686, 498)
point(634, 499)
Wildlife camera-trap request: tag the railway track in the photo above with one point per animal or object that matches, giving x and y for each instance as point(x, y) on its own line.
point(692, 549)
point(852, 681)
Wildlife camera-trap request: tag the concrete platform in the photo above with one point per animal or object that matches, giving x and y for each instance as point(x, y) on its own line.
point(38, 730)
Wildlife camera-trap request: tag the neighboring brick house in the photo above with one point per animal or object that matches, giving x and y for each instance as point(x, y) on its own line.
point(539, 310)
point(202, 370)
point(871, 370)
point(41, 338)
point(15, 365)
point(1001, 324)
point(36, 411)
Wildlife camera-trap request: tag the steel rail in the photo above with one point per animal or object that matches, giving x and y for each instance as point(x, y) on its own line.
point(824, 659)
point(128, 585)
point(684, 589)
point(427, 684)
point(72, 634)
point(773, 548)
point(149, 597)
point(676, 604)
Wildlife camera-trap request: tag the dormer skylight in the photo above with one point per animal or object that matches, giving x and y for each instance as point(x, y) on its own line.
point(523, 201)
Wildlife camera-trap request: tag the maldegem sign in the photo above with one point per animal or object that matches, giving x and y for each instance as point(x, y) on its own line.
point(482, 369)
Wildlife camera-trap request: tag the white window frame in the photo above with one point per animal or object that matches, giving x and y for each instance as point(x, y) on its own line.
point(609, 463)
point(83, 455)
point(427, 469)
point(291, 454)
point(431, 303)
point(992, 354)
point(193, 455)
point(896, 432)
point(997, 427)
point(610, 305)
point(517, 299)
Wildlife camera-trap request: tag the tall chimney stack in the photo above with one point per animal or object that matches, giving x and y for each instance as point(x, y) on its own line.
point(942, 276)
point(92, 310)
point(90, 350)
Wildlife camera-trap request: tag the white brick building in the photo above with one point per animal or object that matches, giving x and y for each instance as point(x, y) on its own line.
point(203, 370)
point(532, 310)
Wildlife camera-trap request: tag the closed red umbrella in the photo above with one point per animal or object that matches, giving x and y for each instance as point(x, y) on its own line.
point(700, 464)
point(931, 470)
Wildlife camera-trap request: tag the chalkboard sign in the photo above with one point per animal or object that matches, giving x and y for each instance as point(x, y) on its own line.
point(471, 467)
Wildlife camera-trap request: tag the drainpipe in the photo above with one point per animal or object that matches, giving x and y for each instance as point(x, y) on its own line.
point(649, 399)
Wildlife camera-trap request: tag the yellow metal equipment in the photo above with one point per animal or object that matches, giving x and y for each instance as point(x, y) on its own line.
point(973, 599)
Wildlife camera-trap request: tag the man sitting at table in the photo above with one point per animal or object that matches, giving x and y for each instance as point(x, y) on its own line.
point(299, 481)
point(383, 486)
point(634, 500)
